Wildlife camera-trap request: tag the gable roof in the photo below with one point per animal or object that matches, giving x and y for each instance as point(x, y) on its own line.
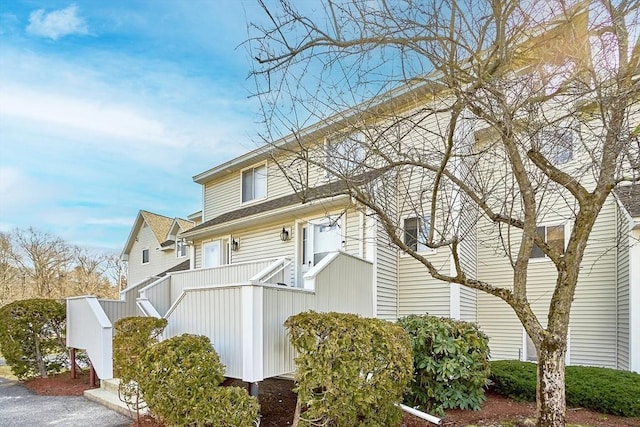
point(158, 224)
point(629, 197)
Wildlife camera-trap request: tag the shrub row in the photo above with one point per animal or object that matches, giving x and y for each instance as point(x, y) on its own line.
point(605, 390)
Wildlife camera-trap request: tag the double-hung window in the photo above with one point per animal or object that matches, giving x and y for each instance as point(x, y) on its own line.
point(557, 145)
point(416, 230)
point(254, 183)
point(553, 235)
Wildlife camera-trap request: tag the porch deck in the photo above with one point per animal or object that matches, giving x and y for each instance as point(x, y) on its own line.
point(240, 307)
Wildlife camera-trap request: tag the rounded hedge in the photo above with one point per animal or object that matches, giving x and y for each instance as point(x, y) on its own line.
point(179, 380)
point(350, 370)
point(605, 390)
point(32, 337)
point(450, 363)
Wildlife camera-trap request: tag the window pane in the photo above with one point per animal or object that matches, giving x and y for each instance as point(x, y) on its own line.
point(411, 233)
point(145, 256)
point(555, 237)
point(260, 182)
point(247, 185)
point(536, 252)
point(557, 145)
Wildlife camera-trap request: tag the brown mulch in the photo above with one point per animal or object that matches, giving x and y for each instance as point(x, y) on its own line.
point(277, 403)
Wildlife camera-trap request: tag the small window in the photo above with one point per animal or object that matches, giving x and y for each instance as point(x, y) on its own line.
point(553, 235)
point(181, 249)
point(416, 231)
point(145, 256)
point(254, 183)
point(557, 145)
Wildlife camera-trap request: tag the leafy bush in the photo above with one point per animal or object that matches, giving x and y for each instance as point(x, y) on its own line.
point(450, 363)
point(32, 337)
point(605, 390)
point(179, 379)
point(351, 370)
point(133, 336)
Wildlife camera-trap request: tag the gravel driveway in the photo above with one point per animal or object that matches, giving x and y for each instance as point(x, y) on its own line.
point(19, 407)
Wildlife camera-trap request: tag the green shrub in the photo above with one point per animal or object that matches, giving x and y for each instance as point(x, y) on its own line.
point(133, 336)
point(450, 363)
point(350, 370)
point(179, 379)
point(32, 337)
point(605, 390)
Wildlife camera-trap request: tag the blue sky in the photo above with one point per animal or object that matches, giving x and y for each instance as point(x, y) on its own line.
point(108, 107)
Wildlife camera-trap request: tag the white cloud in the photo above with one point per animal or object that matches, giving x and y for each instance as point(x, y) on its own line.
point(109, 119)
point(126, 222)
point(56, 24)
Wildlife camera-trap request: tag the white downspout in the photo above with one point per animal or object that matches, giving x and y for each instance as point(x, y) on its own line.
point(420, 414)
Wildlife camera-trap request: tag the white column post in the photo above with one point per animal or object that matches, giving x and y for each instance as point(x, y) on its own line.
point(252, 340)
point(634, 301)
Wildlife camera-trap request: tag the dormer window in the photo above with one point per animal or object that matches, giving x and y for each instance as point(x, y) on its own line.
point(254, 183)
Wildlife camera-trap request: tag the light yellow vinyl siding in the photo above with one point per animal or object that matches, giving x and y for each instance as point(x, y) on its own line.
point(387, 277)
point(623, 289)
point(353, 233)
point(221, 195)
point(420, 293)
point(593, 316)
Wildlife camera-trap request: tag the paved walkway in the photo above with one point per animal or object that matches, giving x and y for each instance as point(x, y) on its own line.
point(20, 407)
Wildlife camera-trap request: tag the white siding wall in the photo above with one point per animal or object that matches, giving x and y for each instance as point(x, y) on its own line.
point(216, 315)
point(159, 261)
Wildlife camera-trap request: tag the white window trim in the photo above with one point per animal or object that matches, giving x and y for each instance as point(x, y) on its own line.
point(186, 252)
point(567, 234)
point(266, 183)
point(427, 251)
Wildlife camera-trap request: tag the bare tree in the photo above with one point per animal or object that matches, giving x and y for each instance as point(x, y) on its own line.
point(44, 259)
point(483, 118)
point(9, 274)
point(117, 271)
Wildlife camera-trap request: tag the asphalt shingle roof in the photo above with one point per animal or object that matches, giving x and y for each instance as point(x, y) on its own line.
point(629, 196)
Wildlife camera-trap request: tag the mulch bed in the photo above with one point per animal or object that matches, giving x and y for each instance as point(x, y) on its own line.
point(277, 403)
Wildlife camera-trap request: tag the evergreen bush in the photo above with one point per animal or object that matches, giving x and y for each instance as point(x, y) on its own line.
point(450, 363)
point(133, 336)
point(609, 391)
point(180, 379)
point(350, 370)
point(32, 337)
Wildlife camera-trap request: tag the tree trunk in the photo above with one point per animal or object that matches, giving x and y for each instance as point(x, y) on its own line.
point(551, 404)
point(40, 360)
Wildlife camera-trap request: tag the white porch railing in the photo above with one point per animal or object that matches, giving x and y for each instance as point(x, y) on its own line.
point(89, 328)
point(232, 305)
point(245, 321)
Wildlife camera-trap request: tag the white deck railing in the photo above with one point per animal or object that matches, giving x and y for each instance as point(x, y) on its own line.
point(89, 328)
point(232, 305)
point(245, 321)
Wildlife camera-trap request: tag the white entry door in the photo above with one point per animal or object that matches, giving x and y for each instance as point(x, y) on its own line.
point(319, 237)
point(211, 254)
